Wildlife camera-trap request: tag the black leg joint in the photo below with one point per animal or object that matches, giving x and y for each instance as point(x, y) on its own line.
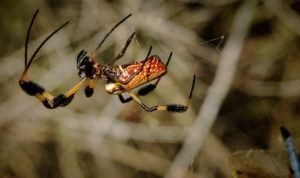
point(153, 108)
point(88, 91)
point(123, 100)
point(47, 104)
point(61, 100)
point(146, 90)
point(176, 108)
point(31, 88)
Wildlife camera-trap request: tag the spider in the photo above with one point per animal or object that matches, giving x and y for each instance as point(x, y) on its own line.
point(119, 78)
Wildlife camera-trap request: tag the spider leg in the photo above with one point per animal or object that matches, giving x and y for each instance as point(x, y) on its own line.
point(95, 52)
point(48, 100)
point(168, 107)
point(90, 85)
point(121, 54)
point(34, 89)
point(123, 100)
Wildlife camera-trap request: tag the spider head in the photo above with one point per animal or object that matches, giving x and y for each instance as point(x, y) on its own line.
point(85, 65)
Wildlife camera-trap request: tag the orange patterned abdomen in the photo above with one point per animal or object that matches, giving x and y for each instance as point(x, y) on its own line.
point(152, 69)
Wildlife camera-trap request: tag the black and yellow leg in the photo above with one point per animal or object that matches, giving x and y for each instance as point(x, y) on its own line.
point(90, 85)
point(48, 100)
point(168, 107)
point(35, 89)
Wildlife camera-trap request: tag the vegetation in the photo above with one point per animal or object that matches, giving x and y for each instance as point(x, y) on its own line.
point(247, 86)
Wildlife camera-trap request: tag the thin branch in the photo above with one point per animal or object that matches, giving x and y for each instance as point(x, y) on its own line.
point(288, 17)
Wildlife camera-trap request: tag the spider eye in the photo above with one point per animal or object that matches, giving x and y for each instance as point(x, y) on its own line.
point(81, 58)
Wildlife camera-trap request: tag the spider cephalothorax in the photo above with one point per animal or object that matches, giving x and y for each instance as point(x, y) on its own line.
point(119, 79)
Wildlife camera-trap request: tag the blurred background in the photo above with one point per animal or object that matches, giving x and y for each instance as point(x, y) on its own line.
point(100, 137)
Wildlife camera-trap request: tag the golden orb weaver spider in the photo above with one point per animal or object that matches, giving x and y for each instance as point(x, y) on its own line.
point(119, 79)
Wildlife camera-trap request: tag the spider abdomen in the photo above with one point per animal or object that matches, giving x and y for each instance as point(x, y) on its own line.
point(151, 69)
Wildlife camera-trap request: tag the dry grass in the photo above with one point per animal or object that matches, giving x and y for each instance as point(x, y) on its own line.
point(244, 91)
